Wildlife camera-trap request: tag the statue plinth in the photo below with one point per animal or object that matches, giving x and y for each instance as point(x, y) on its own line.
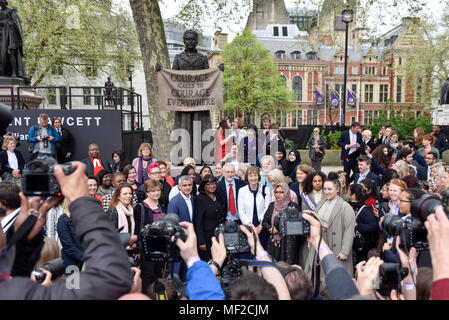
point(28, 95)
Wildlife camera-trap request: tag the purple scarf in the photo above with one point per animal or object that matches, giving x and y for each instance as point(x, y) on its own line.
point(139, 179)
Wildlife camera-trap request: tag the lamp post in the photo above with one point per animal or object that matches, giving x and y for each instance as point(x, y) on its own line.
point(130, 69)
point(347, 17)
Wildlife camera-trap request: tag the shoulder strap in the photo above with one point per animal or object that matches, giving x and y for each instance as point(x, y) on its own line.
point(142, 215)
point(360, 210)
point(263, 191)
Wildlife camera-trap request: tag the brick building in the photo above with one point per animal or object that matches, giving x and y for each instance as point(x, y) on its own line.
point(313, 59)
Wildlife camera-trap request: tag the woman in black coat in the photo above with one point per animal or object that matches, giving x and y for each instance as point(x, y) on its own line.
point(150, 210)
point(366, 222)
point(11, 160)
point(72, 253)
point(209, 213)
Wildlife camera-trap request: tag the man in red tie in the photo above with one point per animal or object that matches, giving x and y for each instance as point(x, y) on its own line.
point(228, 190)
point(94, 163)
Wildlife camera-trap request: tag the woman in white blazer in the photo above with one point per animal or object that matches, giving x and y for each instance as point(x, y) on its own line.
point(253, 201)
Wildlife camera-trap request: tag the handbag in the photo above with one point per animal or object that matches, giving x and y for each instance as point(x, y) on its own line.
point(359, 242)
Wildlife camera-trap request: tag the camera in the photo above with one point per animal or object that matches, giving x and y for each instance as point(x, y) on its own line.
point(230, 273)
point(390, 277)
point(156, 239)
point(45, 141)
point(234, 238)
point(55, 266)
point(292, 223)
point(411, 232)
point(411, 229)
point(427, 204)
point(38, 178)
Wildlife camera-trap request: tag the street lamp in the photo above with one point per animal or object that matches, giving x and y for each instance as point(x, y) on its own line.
point(347, 17)
point(130, 69)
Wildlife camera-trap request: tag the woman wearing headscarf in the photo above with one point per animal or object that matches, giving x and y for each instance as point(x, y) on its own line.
point(280, 248)
point(316, 145)
point(290, 164)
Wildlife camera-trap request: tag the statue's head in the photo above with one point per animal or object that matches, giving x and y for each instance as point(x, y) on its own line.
point(3, 4)
point(190, 39)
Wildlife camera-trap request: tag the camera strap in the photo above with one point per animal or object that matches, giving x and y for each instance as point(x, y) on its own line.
point(257, 263)
point(23, 230)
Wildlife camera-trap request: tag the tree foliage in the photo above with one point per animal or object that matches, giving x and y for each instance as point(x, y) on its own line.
point(403, 121)
point(250, 78)
point(76, 34)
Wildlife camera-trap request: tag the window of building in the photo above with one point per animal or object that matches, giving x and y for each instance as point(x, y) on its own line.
point(384, 71)
point(296, 55)
point(369, 92)
point(293, 119)
point(299, 118)
point(383, 93)
point(276, 31)
point(419, 91)
point(297, 87)
point(57, 70)
point(370, 70)
point(280, 54)
point(312, 117)
point(311, 55)
point(86, 96)
point(284, 32)
point(284, 79)
point(354, 88)
point(52, 96)
point(91, 71)
point(369, 116)
point(97, 96)
point(399, 90)
point(339, 70)
point(355, 70)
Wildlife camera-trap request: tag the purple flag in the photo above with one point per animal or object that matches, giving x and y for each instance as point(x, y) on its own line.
point(351, 99)
point(334, 100)
point(319, 97)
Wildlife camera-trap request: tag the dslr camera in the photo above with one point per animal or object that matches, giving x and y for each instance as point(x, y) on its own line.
point(38, 177)
point(411, 229)
point(45, 141)
point(55, 266)
point(292, 223)
point(235, 240)
point(156, 239)
point(390, 277)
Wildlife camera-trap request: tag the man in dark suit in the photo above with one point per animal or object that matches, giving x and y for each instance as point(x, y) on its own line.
point(183, 206)
point(228, 192)
point(350, 141)
point(364, 165)
point(63, 148)
point(406, 154)
point(94, 163)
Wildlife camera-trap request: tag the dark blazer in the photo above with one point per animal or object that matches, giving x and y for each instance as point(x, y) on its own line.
point(370, 175)
point(222, 195)
point(65, 145)
point(4, 161)
point(178, 206)
point(72, 253)
point(208, 215)
point(90, 166)
point(245, 152)
point(280, 145)
point(197, 61)
point(346, 139)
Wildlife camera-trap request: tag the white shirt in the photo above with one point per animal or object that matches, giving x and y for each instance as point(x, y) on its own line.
point(12, 160)
point(353, 137)
point(362, 176)
point(189, 205)
point(9, 220)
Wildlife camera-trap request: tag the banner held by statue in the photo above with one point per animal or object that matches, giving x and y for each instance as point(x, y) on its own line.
point(190, 90)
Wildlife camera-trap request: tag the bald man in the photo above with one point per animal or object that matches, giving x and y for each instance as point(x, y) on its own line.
point(94, 163)
point(189, 161)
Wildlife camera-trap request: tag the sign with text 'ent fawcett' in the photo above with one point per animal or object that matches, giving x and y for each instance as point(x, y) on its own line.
point(190, 90)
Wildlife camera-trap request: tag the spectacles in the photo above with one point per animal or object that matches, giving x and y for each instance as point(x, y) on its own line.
point(210, 184)
point(156, 190)
point(279, 192)
point(400, 200)
point(156, 172)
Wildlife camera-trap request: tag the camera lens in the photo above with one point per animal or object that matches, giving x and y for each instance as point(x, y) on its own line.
point(392, 225)
point(424, 206)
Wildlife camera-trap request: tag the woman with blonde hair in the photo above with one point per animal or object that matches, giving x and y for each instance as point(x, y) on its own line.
point(49, 251)
point(72, 253)
point(266, 165)
point(403, 170)
point(142, 162)
point(11, 161)
point(121, 211)
point(276, 177)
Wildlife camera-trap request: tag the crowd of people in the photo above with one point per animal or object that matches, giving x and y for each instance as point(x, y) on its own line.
point(346, 211)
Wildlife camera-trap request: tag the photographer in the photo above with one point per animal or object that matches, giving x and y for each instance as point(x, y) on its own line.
point(107, 274)
point(43, 137)
point(201, 281)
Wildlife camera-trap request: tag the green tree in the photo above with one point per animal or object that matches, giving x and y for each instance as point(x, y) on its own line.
point(250, 78)
point(403, 121)
point(76, 34)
